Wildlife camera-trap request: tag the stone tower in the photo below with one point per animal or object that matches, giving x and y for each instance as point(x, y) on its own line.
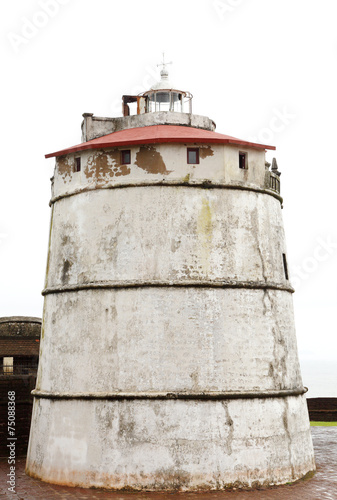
point(168, 357)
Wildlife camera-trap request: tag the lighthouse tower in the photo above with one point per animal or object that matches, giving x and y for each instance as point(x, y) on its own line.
point(168, 352)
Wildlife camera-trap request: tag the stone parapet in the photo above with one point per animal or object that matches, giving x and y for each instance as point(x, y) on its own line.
point(96, 126)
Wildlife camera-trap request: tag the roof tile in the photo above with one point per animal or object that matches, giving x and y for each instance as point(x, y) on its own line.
point(155, 134)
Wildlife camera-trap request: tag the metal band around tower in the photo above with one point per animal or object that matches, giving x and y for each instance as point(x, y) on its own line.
point(205, 184)
point(251, 285)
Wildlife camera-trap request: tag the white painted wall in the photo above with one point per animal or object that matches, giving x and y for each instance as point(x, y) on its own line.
point(214, 317)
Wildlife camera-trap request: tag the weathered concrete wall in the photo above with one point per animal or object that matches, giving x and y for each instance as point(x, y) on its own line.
point(96, 126)
point(234, 340)
point(159, 163)
point(168, 357)
point(129, 233)
point(168, 445)
point(11, 326)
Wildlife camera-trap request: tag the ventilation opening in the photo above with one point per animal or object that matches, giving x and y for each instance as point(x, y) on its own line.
point(243, 160)
point(77, 164)
point(285, 266)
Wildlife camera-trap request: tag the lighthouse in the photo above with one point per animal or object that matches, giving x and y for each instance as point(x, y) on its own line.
point(168, 348)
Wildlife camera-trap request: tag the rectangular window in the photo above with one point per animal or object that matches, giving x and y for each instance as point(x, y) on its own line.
point(243, 160)
point(193, 156)
point(126, 157)
point(8, 363)
point(77, 164)
point(285, 266)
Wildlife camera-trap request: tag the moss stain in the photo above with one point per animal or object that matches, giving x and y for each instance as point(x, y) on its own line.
point(67, 265)
point(204, 228)
point(205, 220)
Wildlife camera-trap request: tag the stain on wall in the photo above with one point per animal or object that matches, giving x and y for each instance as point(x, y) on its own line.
point(205, 220)
point(150, 160)
point(102, 166)
point(205, 151)
point(64, 165)
point(205, 233)
point(67, 264)
point(68, 252)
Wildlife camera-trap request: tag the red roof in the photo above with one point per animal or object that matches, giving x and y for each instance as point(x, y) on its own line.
point(158, 134)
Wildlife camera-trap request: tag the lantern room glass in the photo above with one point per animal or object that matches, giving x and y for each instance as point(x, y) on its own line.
point(169, 100)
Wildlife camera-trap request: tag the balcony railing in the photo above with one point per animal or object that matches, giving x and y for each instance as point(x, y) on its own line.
point(273, 182)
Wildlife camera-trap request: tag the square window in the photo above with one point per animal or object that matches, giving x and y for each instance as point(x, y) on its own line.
point(243, 163)
point(77, 164)
point(126, 157)
point(193, 156)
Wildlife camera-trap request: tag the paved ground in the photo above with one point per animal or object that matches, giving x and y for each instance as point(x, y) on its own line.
point(323, 486)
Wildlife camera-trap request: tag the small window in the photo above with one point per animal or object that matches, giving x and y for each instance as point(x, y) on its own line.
point(77, 164)
point(8, 363)
point(126, 157)
point(243, 160)
point(285, 266)
point(193, 156)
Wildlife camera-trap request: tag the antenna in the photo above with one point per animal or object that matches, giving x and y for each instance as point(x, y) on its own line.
point(164, 64)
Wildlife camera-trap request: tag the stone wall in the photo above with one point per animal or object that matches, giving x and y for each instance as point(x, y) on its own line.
point(20, 325)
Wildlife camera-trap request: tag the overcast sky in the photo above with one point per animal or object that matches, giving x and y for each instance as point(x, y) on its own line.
point(263, 70)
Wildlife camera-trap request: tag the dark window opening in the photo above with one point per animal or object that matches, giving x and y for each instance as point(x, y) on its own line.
point(243, 160)
point(285, 266)
point(126, 157)
point(77, 164)
point(193, 156)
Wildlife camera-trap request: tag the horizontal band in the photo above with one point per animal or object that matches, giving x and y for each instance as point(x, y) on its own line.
point(204, 396)
point(206, 184)
point(252, 285)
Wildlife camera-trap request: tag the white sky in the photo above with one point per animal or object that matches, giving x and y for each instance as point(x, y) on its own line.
point(261, 69)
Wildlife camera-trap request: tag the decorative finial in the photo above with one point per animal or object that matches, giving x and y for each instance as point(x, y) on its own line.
point(274, 167)
point(164, 72)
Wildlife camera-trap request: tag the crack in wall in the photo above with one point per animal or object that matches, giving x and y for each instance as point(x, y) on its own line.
point(286, 428)
point(279, 368)
point(229, 422)
point(257, 232)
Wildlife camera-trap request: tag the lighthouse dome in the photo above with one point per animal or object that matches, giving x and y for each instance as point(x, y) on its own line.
point(164, 82)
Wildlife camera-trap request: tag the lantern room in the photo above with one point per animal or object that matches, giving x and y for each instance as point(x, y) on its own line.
point(162, 96)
